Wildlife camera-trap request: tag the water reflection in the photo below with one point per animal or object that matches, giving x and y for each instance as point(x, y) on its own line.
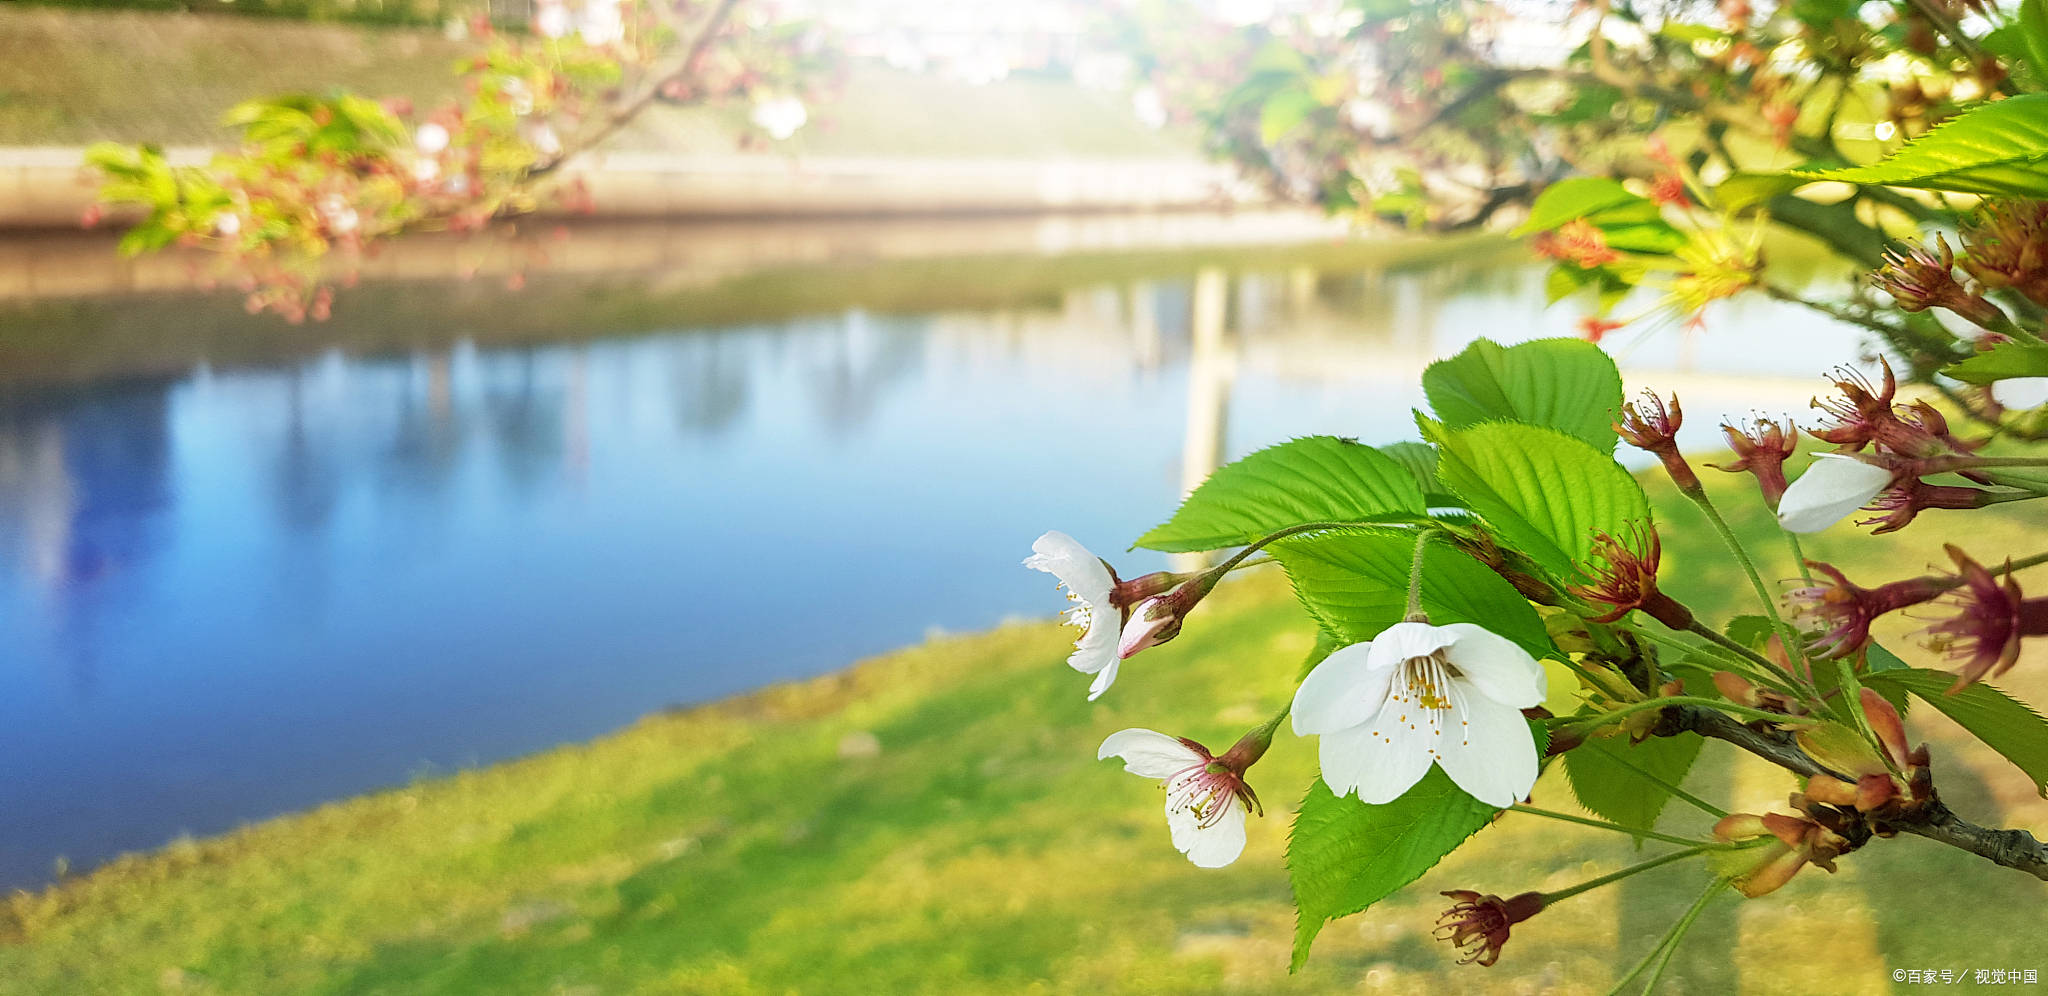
point(240, 591)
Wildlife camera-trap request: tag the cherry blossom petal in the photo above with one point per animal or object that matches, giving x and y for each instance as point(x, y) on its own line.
point(1405, 641)
point(1379, 761)
point(1488, 751)
point(1341, 692)
point(1059, 555)
point(1834, 485)
point(1496, 666)
point(1212, 846)
point(1103, 678)
point(1149, 752)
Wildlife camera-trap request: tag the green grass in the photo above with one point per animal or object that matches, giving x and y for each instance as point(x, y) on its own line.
point(70, 77)
point(740, 848)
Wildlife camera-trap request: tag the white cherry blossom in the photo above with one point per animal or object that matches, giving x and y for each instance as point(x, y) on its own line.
point(1206, 799)
point(1089, 583)
point(1419, 695)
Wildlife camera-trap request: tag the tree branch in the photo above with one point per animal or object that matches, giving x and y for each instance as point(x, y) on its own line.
point(629, 109)
point(2016, 849)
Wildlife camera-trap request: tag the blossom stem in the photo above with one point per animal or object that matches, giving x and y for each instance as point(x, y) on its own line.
point(1415, 613)
point(1793, 647)
point(1798, 555)
point(1606, 718)
point(1769, 672)
point(1668, 944)
point(1634, 869)
point(1604, 825)
point(1277, 535)
point(1695, 801)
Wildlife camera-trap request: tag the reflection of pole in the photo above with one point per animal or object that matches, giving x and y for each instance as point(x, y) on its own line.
point(1209, 374)
point(1301, 290)
point(576, 417)
point(1145, 340)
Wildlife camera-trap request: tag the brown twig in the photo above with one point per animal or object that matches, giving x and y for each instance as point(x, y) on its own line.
point(2016, 849)
point(625, 112)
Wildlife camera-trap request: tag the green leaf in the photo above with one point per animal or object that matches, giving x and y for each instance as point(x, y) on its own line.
point(1744, 190)
point(1996, 149)
point(1607, 775)
point(1344, 855)
point(1567, 200)
point(2034, 29)
point(2002, 362)
point(1649, 236)
point(1312, 479)
point(1355, 584)
point(1751, 631)
point(1544, 493)
point(2004, 724)
point(1567, 384)
point(1839, 747)
point(1419, 458)
point(1283, 112)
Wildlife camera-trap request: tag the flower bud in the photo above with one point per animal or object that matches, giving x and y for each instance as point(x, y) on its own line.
point(1761, 448)
point(1627, 580)
point(1648, 425)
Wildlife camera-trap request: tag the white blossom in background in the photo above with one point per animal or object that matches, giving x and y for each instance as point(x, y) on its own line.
point(1088, 583)
point(1207, 799)
point(1418, 695)
point(339, 215)
point(551, 20)
point(430, 139)
point(780, 117)
point(1149, 107)
point(601, 23)
point(542, 137)
point(1834, 485)
point(2020, 393)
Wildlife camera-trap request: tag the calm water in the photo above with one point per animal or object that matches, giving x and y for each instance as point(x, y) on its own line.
point(227, 592)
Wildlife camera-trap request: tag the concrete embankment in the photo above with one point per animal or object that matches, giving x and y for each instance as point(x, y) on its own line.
point(48, 187)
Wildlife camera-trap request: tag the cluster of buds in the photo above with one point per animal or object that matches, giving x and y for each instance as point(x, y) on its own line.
point(1782, 844)
point(1576, 242)
point(2006, 246)
point(1761, 449)
point(1882, 788)
point(1884, 448)
point(1649, 425)
point(1867, 415)
point(1741, 691)
point(1626, 580)
point(1918, 278)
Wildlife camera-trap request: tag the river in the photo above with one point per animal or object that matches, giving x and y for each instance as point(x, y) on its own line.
point(246, 568)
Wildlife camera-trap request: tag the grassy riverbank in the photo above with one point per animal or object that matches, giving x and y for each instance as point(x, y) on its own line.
point(934, 821)
point(69, 77)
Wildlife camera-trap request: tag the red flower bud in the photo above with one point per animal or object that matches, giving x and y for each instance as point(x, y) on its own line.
point(1761, 448)
point(1648, 425)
